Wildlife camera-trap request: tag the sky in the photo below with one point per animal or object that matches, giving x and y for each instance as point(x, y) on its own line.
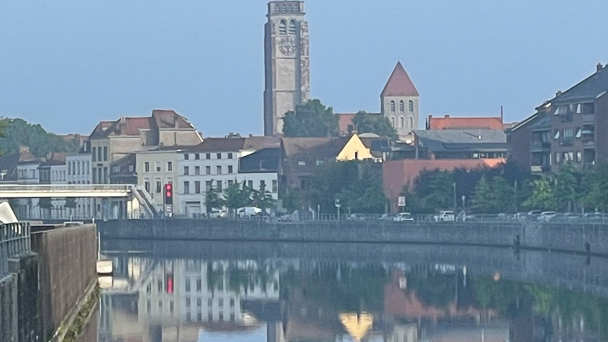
point(68, 64)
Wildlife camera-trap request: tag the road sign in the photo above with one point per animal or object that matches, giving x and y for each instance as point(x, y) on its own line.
point(401, 201)
point(337, 203)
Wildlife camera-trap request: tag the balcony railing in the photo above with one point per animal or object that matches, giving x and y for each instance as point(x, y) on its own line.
point(588, 118)
point(588, 144)
point(14, 241)
point(540, 145)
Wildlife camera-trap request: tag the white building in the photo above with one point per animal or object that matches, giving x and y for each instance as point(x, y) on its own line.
point(79, 166)
point(154, 169)
point(215, 164)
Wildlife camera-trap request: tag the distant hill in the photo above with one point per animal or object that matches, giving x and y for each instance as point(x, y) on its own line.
point(40, 142)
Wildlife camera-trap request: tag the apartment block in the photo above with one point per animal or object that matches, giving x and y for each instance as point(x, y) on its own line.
point(572, 127)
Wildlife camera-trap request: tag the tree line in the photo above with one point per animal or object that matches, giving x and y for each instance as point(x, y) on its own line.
point(18, 132)
point(238, 195)
point(509, 189)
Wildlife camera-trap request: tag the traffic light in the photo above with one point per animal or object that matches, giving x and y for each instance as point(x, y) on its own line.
point(169, 193)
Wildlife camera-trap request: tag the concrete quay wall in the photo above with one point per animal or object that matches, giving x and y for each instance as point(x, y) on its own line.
point(67, 268)
point(583, 238)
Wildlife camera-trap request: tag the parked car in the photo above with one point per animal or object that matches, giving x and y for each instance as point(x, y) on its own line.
point(217, 213)
point(356, 217)
point(595, 217)
point(403, 217)
point(521, 216)
point(387, 217)
point(248, 212)
point(546, 216)
point(444, 216)
point(534, 214)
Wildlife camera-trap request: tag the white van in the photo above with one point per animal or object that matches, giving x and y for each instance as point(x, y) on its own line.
point(248, 212)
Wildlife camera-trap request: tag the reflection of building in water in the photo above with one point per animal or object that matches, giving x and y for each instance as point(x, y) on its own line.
point(173, 300)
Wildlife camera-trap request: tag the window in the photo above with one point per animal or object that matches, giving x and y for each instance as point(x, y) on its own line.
point(93, 155)
point(283, 27)
point(578, 108)
point(207, 170)
point(402, 121)
point(392, 106)
point(186, 187)
point(250, 184)
point(229, 155)
point(169, 166)
point(292, 27)
point(197, 156)
point(186, 170)
point(78, 168)
point(105, 153)
point(147, 186)
point(411, 106)
point(231, 302)
point(197, 170)
point(219, 156)
point(275, 186)
point(218, 185)
point(568, 136)
point(199, 288)
point(579, 132)
point(557, 157)
point(393, 121)
point(157, 166)
point(230, 169)
point(208, 156)
point(579, 156)
point(221, 302)
point(208, 185)
point(187, 299)
point(99, 154)
point(209, 302)
point(262, 185)
point(186, 156)
point(218, 169)
point(556, 134)
point(401, 106)
point(411, 120)
point(197, 187)
point(158, 187)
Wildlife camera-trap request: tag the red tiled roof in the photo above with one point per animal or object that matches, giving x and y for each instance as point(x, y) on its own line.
point(448, 122)
point(399, 84)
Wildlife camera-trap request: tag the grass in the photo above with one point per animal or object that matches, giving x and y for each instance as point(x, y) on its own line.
point(82, 317)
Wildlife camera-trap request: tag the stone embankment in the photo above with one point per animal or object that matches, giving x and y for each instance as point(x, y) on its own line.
point(581, 238)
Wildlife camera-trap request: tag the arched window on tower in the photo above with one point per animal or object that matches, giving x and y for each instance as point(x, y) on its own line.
point(393, 121)
point(292, 27)
point(289, 9)
point(402, 106)
point(411, 106)
point(283, 8)
point(411, 123)
point(392, 106)
point(402, 122)
point(283, 27)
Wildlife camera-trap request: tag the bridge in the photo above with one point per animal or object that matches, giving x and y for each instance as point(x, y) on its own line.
point(134, 201)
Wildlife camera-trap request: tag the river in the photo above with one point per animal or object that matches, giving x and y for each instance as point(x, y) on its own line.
point(242, 292)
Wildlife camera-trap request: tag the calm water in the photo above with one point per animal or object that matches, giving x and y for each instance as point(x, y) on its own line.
point(227, 291)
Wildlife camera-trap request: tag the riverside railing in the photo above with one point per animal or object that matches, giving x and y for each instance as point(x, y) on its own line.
point(14, 241)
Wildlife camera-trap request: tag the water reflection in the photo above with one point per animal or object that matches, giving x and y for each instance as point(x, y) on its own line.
point(303, 300)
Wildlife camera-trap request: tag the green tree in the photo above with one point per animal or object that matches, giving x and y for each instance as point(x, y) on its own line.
point(542, 195)
point(19, 132)
point(46, 204)
point(237, 195)
point(504, 195)
point(565, 187)
point(311, 119)
point(442, 191)
point(594, 189)
point(262, 198)
point(212, 199)
point(484, 198)
point(373, 123)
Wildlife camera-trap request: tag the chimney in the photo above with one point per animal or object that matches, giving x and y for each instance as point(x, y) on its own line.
point(23, 149)
point(447, 116)
point(250, 135)
point(502, 115)
point(558, 93)
point(599, 67)
point(175, 122)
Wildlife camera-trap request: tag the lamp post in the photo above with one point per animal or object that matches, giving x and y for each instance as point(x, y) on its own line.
point(455, 202)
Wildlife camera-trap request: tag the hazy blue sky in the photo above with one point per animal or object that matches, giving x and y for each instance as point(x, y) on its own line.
point(68, 64)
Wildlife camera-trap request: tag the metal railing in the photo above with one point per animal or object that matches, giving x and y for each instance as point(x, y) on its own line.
point(65, 187)
point(14, 241)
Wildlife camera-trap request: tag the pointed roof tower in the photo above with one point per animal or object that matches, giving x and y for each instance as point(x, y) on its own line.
point(399, 84)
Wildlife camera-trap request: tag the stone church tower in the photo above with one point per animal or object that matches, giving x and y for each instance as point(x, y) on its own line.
point(399, 102)
point(287, 81)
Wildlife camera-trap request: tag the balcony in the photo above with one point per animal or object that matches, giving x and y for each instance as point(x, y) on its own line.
point(588, 118)
point(540, 146)
point(589, 144)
